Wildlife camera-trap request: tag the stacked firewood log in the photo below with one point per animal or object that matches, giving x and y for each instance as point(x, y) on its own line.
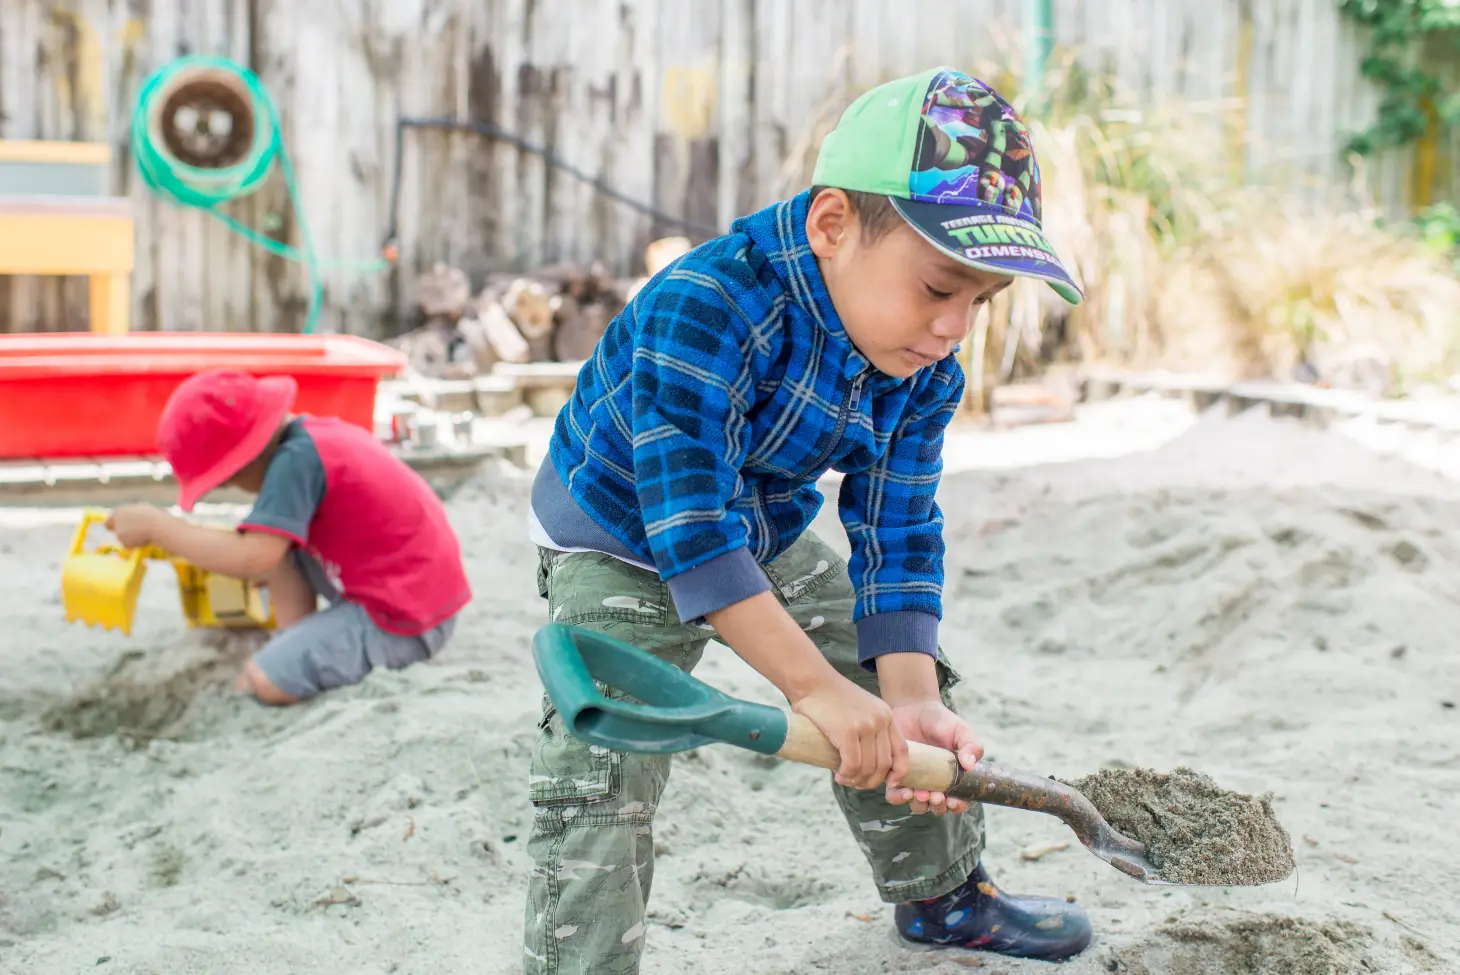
point(555, 314)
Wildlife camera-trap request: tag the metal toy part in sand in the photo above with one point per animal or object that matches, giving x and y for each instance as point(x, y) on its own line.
point(100, 587)
point(617, 696)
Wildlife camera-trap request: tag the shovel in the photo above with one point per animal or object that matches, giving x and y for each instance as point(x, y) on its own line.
point(672, 711)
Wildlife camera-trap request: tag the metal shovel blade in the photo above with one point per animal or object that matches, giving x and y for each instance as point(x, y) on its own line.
point(616, 696)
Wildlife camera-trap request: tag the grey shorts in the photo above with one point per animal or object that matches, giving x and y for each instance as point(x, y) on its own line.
point(339, 645)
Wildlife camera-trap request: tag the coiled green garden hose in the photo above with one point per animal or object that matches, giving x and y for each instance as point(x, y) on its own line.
point(208, 189)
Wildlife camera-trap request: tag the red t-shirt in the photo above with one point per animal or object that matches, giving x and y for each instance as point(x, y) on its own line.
point(374, 524)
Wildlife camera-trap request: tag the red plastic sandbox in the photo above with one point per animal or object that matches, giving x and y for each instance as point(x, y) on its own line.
point(75, 394)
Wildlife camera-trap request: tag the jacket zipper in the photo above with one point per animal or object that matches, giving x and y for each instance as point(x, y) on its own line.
point(772, 536)
point(849, 403)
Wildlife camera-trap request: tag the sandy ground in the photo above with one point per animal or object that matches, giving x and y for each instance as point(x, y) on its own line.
point(1273, 605)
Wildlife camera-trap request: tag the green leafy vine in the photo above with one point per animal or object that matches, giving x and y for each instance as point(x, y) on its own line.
point(1407, 39)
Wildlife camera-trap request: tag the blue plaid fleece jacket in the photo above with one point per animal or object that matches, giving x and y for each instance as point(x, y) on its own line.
point(712, 405)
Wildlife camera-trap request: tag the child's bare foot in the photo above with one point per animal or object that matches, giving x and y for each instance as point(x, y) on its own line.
point(251, 680)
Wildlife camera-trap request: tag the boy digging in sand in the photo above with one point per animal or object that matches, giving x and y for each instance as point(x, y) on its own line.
point(681, 480)
point(337, 516)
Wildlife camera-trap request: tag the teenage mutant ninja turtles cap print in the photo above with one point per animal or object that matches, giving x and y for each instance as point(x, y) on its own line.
point(958, 163)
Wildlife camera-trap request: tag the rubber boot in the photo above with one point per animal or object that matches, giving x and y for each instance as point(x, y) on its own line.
point(980, 916)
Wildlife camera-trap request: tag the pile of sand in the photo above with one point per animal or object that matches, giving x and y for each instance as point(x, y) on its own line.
point(1270, 605)
point(1195, 832)
point(1252, 944)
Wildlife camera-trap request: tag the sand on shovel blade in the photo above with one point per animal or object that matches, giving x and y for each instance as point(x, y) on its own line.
point(1195, 832)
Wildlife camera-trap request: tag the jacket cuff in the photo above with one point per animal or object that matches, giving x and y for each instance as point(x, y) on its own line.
point(722, 581)
point(902, 631)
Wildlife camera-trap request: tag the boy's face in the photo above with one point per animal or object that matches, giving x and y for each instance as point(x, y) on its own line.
point(251, 478)
point(903, 303)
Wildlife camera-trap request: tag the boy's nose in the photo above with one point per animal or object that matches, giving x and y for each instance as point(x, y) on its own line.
point(952, 327)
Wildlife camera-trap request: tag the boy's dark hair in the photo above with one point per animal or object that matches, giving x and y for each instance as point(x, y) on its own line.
point(874, 211)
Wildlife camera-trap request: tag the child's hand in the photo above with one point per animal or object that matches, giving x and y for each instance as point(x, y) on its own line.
point(134, 524)
point(932, 724)
point(860, 726)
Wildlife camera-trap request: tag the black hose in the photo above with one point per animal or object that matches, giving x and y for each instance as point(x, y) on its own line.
point(490, 131)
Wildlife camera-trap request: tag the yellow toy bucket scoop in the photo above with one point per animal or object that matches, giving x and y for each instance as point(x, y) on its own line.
point(100, 587)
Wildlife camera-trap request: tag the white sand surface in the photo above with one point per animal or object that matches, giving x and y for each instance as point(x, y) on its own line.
point(1276, 606)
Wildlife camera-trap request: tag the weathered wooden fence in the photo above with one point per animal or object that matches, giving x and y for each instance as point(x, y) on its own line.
point(692, 107)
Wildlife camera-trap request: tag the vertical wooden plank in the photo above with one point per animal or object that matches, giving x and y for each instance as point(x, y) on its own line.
point(566, 133)
point(865, 41)
point(313, 131)
point(686, 154)
point(771, 51)
point(900, 42)
point(636, 114)
point(1126, 41)
point(1254, 30)
point(1323, 88)
point(1163, 77)
point(170, 294)
point(1304, 108)
point(816, 90)
point(585, 135)
point(938, 40)
point(280, 301)
point(1283, 86)
point(345, 204)
point(534, 93)
point(1066, 29)
point(509, 55)
point(22, 80)
point(134, 40)
point(736, 90)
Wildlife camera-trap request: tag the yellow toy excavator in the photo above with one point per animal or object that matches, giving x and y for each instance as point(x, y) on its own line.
point(100, 587)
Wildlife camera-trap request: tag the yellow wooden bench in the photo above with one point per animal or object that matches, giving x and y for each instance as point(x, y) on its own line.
point(56, 218)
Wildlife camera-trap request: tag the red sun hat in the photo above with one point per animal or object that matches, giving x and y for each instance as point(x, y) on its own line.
point(215, 423)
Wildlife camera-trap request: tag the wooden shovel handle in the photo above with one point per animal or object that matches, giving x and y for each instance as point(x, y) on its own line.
point(937, 770)
point(928, 767)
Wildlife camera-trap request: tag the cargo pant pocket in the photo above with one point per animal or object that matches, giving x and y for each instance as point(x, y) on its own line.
point(568, 771)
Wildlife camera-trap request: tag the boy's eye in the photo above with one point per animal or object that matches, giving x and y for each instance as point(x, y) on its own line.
point(937, 295)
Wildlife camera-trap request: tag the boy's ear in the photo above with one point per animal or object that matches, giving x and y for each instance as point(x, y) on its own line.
point(828, 219)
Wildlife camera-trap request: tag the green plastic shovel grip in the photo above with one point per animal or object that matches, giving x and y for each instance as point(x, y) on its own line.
point(667, 710)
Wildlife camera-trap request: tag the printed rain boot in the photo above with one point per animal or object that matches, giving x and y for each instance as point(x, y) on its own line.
point(979, 915)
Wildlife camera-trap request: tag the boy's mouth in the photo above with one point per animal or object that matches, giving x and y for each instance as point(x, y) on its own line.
point(922, 358)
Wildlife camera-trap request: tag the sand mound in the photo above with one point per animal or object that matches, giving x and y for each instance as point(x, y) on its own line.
point(1250, 944)
point(147, 694)
point(1195, 832)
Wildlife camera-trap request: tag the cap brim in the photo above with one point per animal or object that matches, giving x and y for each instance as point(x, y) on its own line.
point(1026, 253)
point(277, 394)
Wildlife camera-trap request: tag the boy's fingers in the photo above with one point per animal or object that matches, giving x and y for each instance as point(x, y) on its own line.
point(899, 756)
point(851, 754)
point(884, 759)
point(871, 763)
point(969, 748)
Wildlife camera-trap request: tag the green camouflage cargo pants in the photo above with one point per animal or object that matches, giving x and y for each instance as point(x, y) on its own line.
point(592, 844)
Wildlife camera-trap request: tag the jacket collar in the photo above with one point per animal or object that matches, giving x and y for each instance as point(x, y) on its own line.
point(779, 232)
